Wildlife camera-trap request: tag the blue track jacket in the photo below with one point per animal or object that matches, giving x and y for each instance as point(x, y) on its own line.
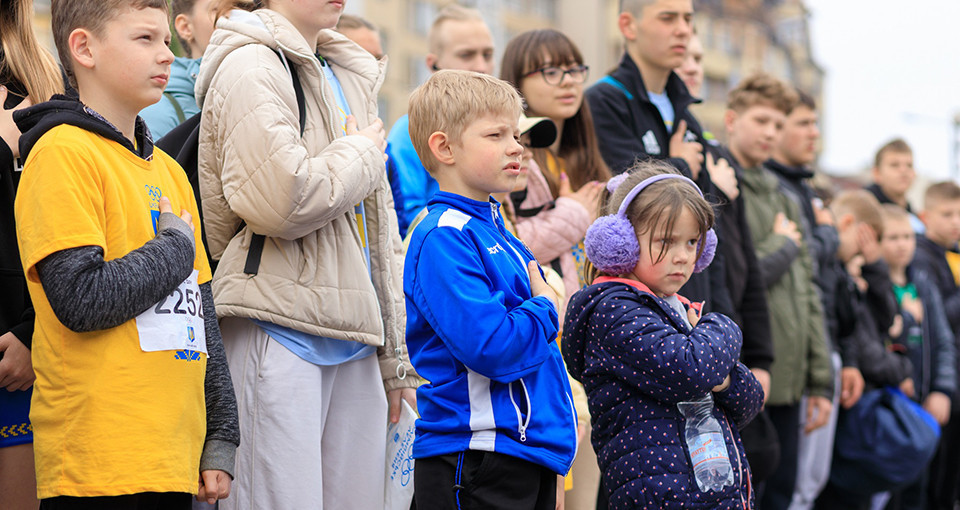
point(488, 348)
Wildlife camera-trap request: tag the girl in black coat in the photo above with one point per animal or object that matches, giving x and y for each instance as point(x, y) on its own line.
point(28, 74)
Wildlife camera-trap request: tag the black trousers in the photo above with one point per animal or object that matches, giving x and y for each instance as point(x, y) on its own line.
point(142, 501)
point(482, 480)
point(778, 488)
point(944, 475)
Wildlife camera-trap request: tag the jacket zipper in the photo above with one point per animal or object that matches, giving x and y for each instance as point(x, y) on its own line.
point(521, 423)
point(739, 466)
point(331, 132)
point(323, 97)
point(576, 428)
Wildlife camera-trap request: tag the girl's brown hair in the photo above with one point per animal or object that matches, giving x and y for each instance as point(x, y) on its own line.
point(657, 206)
point(225, 6)
point(23, 57)
point(530, 51)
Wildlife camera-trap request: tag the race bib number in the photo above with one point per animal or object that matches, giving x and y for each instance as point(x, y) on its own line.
point(176, 322)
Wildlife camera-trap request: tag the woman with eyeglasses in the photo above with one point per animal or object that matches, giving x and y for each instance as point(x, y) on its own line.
point(563, 189)
point(548, 70)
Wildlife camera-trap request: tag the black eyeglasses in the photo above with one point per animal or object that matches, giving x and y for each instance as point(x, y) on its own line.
point(554, 75)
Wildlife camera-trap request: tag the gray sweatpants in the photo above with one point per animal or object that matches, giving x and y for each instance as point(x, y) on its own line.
point(816, 450)
point(312, 436)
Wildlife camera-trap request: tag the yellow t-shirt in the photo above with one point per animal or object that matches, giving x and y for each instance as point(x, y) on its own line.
point(953, 260)
point(108, 418)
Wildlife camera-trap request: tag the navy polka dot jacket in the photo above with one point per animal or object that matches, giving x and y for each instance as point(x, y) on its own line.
point(637, 359)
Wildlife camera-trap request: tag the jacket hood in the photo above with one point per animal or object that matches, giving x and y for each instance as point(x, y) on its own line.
point(794, 173)
point(270, 29)
point(36, 120)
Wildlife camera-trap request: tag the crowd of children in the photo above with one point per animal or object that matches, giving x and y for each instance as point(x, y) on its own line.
point(596, 304)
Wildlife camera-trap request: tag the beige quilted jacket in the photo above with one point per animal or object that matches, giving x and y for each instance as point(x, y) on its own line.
point(298, 192)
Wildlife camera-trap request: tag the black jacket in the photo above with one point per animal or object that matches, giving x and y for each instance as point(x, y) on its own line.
point(629, 127)
point(882, 197)
point(743, 279)
point(934, 356)
point(932, 259)
point(16, 310)
point(858, 323)
point(841, 308)
point(880, 366)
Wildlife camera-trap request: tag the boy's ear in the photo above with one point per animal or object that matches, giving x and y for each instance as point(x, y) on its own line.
point(628, 26)
point(432, 62)
point(923, 216)
point(439, 144)
point(845, 221)
point(80, 42)
point(729, 117)
point(183, 27)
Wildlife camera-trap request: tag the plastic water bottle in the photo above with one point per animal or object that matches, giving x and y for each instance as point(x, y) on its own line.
point(708, 450)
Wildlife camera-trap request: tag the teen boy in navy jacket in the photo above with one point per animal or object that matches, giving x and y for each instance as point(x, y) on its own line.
point(481, 322)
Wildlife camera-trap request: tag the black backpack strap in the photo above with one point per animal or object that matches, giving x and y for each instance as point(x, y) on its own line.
point(252, 265)
point(255, 252)
point(301, 99)
point(176, 107)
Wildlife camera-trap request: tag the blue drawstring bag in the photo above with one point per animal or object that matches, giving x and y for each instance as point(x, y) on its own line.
point(884, 442)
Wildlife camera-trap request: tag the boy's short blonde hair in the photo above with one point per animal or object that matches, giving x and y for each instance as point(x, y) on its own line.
point(449, 101)
point(938, 193)
point(350, 22)
point(452, 12)
point(93, 15)
point(897, 145)
point(893, 212)
point(862, 205)
point(634, 7)
point(765, 90)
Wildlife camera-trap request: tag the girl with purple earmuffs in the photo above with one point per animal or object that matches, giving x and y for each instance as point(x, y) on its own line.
point(665, 389)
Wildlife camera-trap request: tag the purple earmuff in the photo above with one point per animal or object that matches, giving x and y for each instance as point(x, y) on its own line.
point(611, 242)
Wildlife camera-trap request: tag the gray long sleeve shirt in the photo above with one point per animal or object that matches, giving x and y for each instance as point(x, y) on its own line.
point(88, 293)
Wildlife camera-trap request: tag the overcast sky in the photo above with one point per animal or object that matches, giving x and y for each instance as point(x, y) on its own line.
point(893, 69)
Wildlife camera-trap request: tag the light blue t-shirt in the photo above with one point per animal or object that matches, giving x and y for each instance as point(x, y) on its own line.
point(416, 185)
point(662, 102)
point(321, 350)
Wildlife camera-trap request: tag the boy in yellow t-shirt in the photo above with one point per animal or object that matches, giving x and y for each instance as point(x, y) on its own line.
point(133, 403)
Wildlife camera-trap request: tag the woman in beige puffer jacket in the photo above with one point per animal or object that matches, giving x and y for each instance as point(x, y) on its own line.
point(312, 431)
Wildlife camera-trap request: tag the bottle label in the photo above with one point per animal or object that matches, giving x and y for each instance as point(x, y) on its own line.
point(706, 447)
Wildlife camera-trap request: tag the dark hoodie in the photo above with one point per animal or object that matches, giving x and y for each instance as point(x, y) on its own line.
point(16, 310)
point(88, 293)
point(637, 359)
point(932, 258)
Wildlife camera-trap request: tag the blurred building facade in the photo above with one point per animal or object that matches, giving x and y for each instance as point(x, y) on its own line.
point(41, 24)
